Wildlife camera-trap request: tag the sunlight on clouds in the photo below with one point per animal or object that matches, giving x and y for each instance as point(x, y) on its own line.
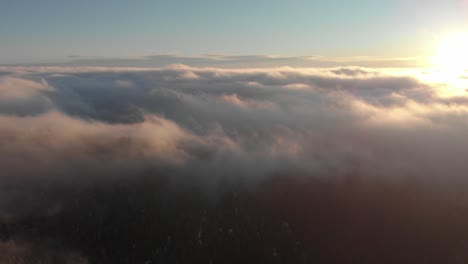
point(444, 82)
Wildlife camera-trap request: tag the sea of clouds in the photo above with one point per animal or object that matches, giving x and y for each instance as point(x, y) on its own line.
point(207, 128)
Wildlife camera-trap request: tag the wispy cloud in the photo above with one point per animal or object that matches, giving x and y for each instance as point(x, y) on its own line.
point(236, 61)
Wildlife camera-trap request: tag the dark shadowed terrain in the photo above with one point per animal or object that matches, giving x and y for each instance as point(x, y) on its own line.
point(288, 219)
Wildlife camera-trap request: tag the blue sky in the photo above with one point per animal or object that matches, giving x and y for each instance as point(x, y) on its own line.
point(47, 30)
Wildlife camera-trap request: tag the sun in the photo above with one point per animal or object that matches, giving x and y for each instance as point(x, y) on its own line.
point(452, 53)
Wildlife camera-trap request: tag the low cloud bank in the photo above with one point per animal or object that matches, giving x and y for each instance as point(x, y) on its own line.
point(319, 120)
point(80, 134)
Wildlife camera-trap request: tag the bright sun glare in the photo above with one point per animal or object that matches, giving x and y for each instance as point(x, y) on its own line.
point(452, 53)
point(449, 64)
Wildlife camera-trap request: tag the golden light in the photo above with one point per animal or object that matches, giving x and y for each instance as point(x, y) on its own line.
point(452, 53)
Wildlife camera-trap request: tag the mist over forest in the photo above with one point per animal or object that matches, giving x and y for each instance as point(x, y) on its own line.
point(185, 164)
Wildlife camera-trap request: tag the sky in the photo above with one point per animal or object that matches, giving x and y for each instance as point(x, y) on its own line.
point(52, 30)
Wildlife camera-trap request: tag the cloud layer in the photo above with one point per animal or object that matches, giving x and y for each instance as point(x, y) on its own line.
point(316, 119)
point(203, 129)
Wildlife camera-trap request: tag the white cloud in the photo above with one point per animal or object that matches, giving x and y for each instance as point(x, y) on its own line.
point(377, 103)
